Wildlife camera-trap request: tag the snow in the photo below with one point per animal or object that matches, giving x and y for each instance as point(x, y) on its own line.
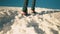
point(12, 22)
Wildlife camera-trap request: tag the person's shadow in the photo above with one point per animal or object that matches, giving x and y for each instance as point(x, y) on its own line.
point(36, 27)
point(47, 12)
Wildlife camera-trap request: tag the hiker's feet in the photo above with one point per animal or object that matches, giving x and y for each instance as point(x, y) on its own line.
point(23, 13)
point(34, 12)
point(26, 14)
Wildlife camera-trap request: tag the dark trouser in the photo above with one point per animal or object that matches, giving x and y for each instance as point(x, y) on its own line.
point(26, 5)
point(33, 5)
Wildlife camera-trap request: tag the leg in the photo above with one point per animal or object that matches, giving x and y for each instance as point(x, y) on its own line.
point(33, 6)
point(25, 7)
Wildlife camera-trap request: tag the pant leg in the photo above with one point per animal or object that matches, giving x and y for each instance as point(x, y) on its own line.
point(33, 5)
point(25, 6)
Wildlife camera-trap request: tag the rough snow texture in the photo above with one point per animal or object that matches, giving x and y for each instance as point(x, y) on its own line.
point(12, 22)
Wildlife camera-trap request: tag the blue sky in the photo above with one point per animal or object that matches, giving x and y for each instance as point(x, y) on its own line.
point(39, 3)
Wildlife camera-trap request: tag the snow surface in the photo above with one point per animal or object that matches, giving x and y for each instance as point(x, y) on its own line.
point(12, 22)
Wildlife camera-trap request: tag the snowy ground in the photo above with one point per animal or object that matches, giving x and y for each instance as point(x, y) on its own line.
point(12, 22)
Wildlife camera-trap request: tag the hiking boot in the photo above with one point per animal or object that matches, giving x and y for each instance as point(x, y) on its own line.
point(23, 13)
point(26, 14)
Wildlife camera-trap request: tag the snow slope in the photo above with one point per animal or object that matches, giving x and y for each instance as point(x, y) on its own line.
point(12, 22)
